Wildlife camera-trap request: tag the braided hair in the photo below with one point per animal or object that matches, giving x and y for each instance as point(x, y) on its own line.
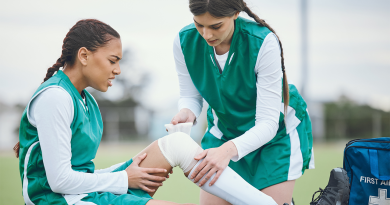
point(89, 33)
point(227, 8)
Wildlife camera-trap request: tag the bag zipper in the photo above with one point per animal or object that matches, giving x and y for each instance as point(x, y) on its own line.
point(364, 140)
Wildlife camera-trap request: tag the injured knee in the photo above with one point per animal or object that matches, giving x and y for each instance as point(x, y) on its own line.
point(179, 149)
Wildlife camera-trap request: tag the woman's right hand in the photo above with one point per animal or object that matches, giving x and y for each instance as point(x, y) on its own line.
point(183, 116)
point(139, 177)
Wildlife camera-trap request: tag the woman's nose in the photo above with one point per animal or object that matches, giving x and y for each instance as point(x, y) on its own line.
point(207, 33)
point(117, 70)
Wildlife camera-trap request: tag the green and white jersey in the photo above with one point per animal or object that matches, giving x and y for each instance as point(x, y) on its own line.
point(57, 148)
point(232, 95)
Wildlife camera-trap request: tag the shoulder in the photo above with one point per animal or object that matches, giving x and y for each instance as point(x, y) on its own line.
point(252, 28)
point(51, 100)
point(189, 34)
point(55, 95)
point(190, 38)
point(189, 28)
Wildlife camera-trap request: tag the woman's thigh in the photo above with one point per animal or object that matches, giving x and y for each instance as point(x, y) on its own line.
point(282, 192)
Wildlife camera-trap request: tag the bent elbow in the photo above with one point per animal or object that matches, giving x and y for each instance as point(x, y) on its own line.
point(59, 185)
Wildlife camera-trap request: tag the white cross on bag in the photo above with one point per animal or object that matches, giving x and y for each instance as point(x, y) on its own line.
point(381, 199)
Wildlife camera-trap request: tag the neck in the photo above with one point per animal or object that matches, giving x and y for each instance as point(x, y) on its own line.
point(224, 46)
point(76, 77)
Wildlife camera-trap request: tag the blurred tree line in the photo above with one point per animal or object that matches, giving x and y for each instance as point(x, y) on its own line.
point(347, 119)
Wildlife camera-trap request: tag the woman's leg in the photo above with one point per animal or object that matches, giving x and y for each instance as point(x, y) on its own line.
point(282, 192)
point(209, 199)
point(179, 149)
point(154, 159)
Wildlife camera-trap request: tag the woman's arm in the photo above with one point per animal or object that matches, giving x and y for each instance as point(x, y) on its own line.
point(52, 113)
point(269, 98)
point(189, 96)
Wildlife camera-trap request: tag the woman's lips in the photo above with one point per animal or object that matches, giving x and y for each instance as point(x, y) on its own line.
point(213, 41)
point(109, 83)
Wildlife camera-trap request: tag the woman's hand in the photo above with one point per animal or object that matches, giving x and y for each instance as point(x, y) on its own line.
point(139, 178)
point(183, 116)
point(215, 161)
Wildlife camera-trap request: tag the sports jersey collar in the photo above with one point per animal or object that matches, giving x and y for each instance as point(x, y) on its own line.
point(232, 50)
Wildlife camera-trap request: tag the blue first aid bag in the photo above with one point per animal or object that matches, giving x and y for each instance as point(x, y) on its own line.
point(367, 162)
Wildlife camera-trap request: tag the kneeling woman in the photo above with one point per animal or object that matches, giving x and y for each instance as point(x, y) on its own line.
point(61, 129)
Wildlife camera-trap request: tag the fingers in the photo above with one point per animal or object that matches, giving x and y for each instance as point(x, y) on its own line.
point(216, 177)
point(176, 119)
point(154, 170)
point(201, 155)
point(197, 169)
point(139, 159)
point(202, 173)
point(154, 178)
point(143, 187)
point(208, 176)
point(152, 184)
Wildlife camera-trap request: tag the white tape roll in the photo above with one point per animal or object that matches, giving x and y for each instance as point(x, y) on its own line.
point(181, 127)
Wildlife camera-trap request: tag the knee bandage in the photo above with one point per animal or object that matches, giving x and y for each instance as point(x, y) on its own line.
point(179, 149)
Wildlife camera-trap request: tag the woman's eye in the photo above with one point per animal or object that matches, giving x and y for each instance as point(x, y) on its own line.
point(216, 28)
point(112, 62)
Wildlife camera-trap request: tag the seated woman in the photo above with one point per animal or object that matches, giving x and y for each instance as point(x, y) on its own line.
point(61, 129)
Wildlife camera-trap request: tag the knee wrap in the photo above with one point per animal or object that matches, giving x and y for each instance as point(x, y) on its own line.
point(179, 149)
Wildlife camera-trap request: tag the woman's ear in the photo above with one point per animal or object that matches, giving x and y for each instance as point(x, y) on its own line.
point(82, 56)
point(236, 15)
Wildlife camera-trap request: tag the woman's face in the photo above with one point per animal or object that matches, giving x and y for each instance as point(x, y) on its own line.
point(215, 30)
point(103, 65)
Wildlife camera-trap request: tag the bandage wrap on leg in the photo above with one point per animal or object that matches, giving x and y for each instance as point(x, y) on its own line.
point(179, 149)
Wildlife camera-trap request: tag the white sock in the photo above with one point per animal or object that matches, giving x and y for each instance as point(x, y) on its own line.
point(232, 188)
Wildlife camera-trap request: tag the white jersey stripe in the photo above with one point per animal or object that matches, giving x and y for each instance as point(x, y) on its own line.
point(215, 130)
point(296, 159)
point(290, 119)
point(311, 163)
point(231, 58)
point(212, 59)
point(27, 199)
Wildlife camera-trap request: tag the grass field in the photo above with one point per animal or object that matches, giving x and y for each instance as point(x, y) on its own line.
point(177, 188)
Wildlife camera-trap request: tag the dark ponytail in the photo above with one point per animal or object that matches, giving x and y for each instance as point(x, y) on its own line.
point(89, 33)
point(286, 97)
point(227, 8)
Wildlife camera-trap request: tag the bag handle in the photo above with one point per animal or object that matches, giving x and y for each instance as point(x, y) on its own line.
point(374, 164)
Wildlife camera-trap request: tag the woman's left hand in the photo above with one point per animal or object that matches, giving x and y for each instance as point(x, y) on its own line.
point(215, 161)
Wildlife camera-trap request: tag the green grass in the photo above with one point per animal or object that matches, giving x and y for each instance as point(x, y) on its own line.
point(177, 188)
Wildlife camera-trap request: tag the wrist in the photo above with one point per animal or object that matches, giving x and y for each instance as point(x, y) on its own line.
point(231, 149)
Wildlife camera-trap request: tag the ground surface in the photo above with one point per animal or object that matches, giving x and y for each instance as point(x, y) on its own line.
point(177, 188)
